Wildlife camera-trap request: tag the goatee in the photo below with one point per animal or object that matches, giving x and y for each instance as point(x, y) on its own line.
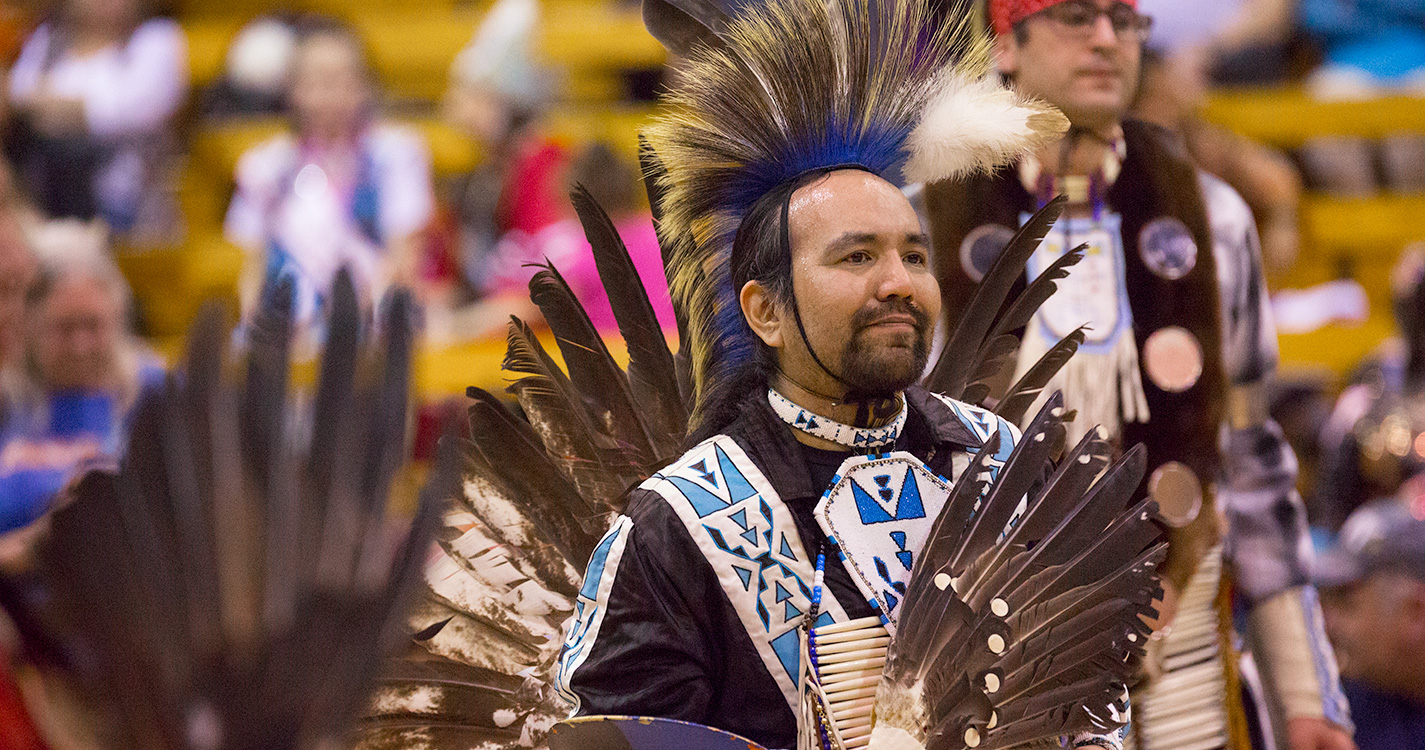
point(875, 370)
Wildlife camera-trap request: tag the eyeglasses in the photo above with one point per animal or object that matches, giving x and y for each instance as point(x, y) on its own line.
point(1079, 17)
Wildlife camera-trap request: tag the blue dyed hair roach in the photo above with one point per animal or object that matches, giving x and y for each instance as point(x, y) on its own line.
point(798, 88)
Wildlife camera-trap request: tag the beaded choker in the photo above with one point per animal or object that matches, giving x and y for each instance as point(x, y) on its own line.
point(855, 438)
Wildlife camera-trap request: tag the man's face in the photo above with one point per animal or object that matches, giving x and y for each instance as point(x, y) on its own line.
point(1372, 623)
point(1084, 67)
point(76, 335)
point(330, 92)
point(861, 276)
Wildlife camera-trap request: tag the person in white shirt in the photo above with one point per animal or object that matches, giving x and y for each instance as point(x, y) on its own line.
point(95, 91)
point(340, 190)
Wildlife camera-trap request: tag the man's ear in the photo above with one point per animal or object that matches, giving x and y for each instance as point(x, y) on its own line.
point(1006, 54)
point(764, 316)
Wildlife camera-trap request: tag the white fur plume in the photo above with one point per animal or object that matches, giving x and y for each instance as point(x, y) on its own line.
point(974, 125)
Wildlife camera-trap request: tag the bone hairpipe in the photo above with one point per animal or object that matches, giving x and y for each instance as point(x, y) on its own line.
point(851, 656)
point(855, 683)
point(849, 695)
point(850, 708)
point(842, 627)
point(851, 645)
point(850, 635)
point(874, 662)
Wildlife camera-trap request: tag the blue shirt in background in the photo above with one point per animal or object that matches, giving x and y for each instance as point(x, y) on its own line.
point(42, 449)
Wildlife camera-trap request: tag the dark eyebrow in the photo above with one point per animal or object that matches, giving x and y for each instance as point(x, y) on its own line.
point(851, 239)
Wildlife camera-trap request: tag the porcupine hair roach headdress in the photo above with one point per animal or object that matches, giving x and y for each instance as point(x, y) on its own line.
point(802, 86)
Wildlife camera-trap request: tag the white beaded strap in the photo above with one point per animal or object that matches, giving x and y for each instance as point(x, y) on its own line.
point(855, 438)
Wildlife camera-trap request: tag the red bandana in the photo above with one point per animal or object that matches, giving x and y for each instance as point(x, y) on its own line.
point(1004, 14)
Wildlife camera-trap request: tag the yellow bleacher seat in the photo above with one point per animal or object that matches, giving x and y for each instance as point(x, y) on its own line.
point(235, 9)
point(208, 46)
point(1335, 349)
point(1377, 225)
point(1289, 117)
point(172, 284)
point(412, 47)
point(617, 125)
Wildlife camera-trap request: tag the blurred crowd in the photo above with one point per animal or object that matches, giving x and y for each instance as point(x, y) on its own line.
point(99, 99)
point(97, 104)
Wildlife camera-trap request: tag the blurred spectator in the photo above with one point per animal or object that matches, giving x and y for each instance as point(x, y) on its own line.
point(94, 94)
point(342, 189)
point(1371, 47)
point(614, 184)
point(81, 374)
point(17, 267)
point(1228, 41)
point(497, 96)
point(1373, 596)
point(254, 78)
point(1375, 437)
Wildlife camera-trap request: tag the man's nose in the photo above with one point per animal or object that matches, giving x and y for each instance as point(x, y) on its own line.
point(1104, 34)
point(894, 279)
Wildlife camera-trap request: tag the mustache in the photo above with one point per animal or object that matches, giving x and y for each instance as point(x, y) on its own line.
point(866, 316)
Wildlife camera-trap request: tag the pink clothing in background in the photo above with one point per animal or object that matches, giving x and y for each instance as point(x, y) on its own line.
point(564, 245)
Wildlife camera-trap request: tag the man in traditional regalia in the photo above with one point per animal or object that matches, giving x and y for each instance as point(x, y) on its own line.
point(1178, 345)
point(819, 465)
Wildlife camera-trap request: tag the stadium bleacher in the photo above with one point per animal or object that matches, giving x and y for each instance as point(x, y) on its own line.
point(590, 45)
point(1360, 236)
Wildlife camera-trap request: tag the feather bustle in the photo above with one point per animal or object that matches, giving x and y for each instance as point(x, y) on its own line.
point(651, 372)
point(596, 378)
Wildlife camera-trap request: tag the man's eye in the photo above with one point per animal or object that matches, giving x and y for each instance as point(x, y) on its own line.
point(1078, 14)
point(860, 256)
point(1123, 18)
point(916, 259)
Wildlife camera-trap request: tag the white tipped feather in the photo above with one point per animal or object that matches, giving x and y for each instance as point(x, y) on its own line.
point(975, 124)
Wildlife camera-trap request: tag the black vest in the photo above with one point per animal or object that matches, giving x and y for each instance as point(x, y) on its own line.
point(1157, 180)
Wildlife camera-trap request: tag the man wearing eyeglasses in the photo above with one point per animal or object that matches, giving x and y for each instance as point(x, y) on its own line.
point(1178, 343)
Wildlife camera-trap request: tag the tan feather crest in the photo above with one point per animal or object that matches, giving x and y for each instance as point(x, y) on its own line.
point(801, 85)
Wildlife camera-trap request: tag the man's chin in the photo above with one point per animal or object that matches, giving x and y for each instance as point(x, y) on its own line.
point(887, 376)
point(1097, 106)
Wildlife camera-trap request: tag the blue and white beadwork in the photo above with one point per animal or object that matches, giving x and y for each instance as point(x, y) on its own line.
point(855, 438)
point(590, 605)
point(879, 511)
point(749, 537)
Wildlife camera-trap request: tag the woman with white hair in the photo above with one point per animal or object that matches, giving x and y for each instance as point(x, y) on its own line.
point(71, 393)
